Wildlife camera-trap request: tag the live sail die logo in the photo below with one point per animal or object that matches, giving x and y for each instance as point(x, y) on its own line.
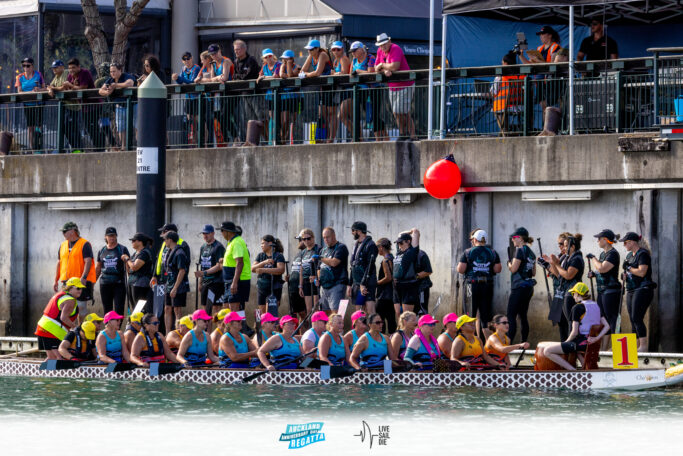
point(301, 435)
point(366, 434)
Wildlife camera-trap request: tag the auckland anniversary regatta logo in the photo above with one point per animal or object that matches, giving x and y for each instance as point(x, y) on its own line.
point(301, 435)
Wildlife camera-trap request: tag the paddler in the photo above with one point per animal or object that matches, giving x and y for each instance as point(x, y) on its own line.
point(149, 345)
point(310, 339)
point(449, 334)
point(466, 347)
point(59, 316)
point(423, 348)
point(372, 348)
point(359, 325)
point(78, 345)
point(236, 350)
point(585, 313)
point(407, 322)
point(175, 337)
point(332, 348)
point(268, 322)
point(195, 348)
point(133, 329)
point(283, 347)
point(110, 346)
point(96, 319)
point(498, 344)
point(221, 328)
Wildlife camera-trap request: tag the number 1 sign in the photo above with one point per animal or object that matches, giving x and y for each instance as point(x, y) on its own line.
point(624, 351)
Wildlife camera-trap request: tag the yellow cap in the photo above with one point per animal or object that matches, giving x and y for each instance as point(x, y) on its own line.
point(187, 321)
point(580, 288)
point(137, 317)
point(75, 282)
point(222, 314)
point(462, 319)
point(89, 329)
point(93, 317)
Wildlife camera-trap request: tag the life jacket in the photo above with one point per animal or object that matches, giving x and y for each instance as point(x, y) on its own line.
point(590, 318)
point(154, 349)
point(429, 348)
point(510, 94)
point(492, 351)
point(50, 325)
point(81, 348)
point(471, 349)
point(71, 263)
point(550, 51)
point(160, 257)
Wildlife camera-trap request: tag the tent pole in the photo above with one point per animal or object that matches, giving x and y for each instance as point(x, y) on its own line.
point(430, 97)
point(571, 70)
point(442, 110)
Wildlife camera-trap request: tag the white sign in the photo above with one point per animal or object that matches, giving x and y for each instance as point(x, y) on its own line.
point(148, 160)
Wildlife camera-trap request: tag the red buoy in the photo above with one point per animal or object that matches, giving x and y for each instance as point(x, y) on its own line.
point(442, 180)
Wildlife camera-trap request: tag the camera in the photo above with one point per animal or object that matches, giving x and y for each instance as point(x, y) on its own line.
point(521, 44)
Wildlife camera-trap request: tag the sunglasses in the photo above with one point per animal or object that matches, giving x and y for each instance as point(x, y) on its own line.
point(560, 244)
point(186, 58)
point(306, 239)
point(429, 324)
point(155, 323)
point(26, 65)
point(504, 323)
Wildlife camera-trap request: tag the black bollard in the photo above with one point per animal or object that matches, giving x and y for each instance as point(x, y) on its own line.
point(151, 158)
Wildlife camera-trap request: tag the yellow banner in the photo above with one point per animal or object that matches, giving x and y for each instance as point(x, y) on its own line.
point(624, 351)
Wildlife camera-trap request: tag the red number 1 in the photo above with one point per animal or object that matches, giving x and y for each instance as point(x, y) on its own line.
point(624, 353)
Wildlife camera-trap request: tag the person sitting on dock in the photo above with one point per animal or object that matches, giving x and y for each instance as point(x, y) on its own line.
point(195, 348)
point(407, 323)
point(360, 326)
point(268, 322)
point(585, 314)
point(175, 337)
point(109, 343)
point(332, 349)
point(236, 350)
point(498, 344)
point(59, 317)
point(372, 348)
point(284, 349)
point(149, 345)
point(78, 345)
point(466, 347)
point(221, 328)
point(133, 329)
point(449, 334)
point(423, 348)
point(310, 339)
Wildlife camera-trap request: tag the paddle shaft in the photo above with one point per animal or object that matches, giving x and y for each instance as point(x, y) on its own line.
point(590, 271)
point(545, 276)
point(21, 353)
point(520, 358)
point(277, 366)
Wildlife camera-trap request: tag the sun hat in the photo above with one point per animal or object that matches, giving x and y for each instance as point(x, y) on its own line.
point(337, 45)
point(268, 317)
point(462, 319)
point(288, 54)
point(288, 319)
point(319, 316)
point(266, 52)
point(112, 315)
point(356, 45)
point(200, 315)
point(312, 44)
point(521, 231)
point(57, 63)
point(186, 321)
point(356, 315)
point(93, 317)
point(630, 236)
point(580, 288)
point(69, 226)
point(480, 235)
point(607, 234)
point(450, 318)
point(89, 329)
point(382, 38)
point(229, 226)
point(232, 316)
point(427, 320)
point(74, 282)
point(222, 314)
point(137, 317)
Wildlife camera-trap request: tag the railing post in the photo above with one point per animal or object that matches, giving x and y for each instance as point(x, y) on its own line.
point(655, 87)
point(276, 116)
point(129, 122)
point(618, 100)
point(356, 115)
point(60, 126)
point(528, 105)
point(200, 120)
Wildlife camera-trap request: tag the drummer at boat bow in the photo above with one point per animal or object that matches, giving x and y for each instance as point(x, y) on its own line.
point(59, 316)
point(78, 345)
point(284, 349)
point(236, 350)
point(196, 348)
point(310, 339)
point(109, 343)
point(149, 345)
point(372, 348)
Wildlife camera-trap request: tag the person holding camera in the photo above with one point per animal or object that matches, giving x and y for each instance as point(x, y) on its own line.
point(606, 273)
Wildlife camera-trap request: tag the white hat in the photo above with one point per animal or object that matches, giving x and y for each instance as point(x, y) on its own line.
point(480, 235)
point(356, 45)
point(382, 38)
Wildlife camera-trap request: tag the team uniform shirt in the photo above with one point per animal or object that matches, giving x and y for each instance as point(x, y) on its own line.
point(175, 261)
point(113, 268)
point(209, 256)
point(264, 281)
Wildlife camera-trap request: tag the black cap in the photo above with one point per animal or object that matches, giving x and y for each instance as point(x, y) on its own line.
point(213, 48)
point(229, 226)
point(360, 226)
point(27, 60)
point(521, 231)
point(172, 235)
point(404, 237)
point(169, 227)
point(609, 234)
point(187, 55)
point(110, 230)
point(630, 236)
point(57, 63)
point(142, 237)
point(546, 29)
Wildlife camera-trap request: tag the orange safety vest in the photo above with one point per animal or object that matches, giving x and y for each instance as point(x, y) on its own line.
point(50, 324)
point(72, 263)
point(551, 50)
point(510, 93)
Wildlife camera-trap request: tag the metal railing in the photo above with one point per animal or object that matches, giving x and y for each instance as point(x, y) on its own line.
point(624, 95)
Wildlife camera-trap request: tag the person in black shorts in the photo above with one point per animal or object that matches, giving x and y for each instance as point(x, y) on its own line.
point(297, 305)
point(480, 264)
point(140, 270)
point(570, 272)
point(307, 285)
point(177, 284)
point(269, 265)
point(522, 268)
point(606, 273)
point(406, 286)
point(363, 272)
point(110, 271)
point(424, 270)
point(385, 285)
point(211, 264)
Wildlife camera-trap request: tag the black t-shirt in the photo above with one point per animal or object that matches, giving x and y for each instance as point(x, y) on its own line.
point(307, 268)
point(523, 275)
point(595, 50)
point(610, 279)
point(111, 263)
point(385, 291)
point(175, 261)
point(247, 68)
point(331, 276)
point(164, 254)
point(641, 257)
point(576, 261)
point(577, 312)
point(480, 261)
point(405, 265)
point(209, 256)
point(263, 281)
point(141, 277)
point(424, 265)
point(364, 255)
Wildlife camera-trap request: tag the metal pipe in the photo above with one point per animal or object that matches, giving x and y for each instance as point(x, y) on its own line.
point(430, 95)
point(442, 110)
point(571, 70)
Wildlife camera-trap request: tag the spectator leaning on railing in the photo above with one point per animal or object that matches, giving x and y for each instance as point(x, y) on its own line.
point(188, 74)
point(341, 64)
point(269, 70)
point(71, 124)
point(31, 81)
point(364, 63)
point(318, 64)
point(246, 67)
point(290, 98)
point(390, 58)
point(223, 71)
point(119, 80)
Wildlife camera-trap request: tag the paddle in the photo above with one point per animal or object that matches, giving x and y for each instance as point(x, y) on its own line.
point(119, 367)
point(63, 364)
point(249, 378)
point(21, 353)
point(328, 372)
point(520, 358)
point(156, 369)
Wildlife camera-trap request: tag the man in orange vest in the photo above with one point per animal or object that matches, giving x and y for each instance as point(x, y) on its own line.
point(76, 260)
point(508, 94)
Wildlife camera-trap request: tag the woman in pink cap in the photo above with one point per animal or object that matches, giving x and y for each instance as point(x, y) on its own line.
point(268, 322)
point(236, 350)
point(423, 348)
point(109, 343)
point(498, 344)
point(332, 349)
point(149, 346)
point(407, 322)
point(360, 326)
point(310, 339)
point(372, 348)
point(195, 348)
point(284, 349)
point(449, 334)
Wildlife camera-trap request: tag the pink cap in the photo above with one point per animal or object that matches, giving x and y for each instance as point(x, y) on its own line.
point(426, 320)
point(450, 318)
point(268, 317)
point(356, 315)
point(112, 316)
point(319, 316)
point(232, 316)
point(201, 315)
point(288, 319)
